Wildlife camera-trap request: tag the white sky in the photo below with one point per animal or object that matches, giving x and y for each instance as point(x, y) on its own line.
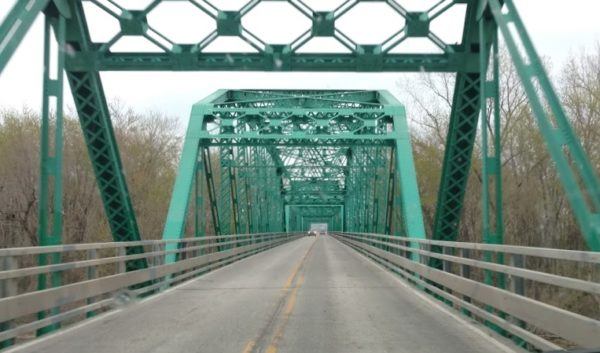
point(558, 28)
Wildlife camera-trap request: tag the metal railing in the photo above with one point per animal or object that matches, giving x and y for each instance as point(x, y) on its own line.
point(504, 292)
point(94, 278)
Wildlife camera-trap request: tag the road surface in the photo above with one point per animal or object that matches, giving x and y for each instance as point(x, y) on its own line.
point(310, 295)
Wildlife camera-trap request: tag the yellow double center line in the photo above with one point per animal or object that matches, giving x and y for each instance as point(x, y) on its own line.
point(288, 309)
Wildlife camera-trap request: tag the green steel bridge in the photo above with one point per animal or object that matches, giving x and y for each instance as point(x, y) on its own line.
point(271, 164)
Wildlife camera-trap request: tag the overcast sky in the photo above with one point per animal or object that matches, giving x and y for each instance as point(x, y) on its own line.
point(558, 28)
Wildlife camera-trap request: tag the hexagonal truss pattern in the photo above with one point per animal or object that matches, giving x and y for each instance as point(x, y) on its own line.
point(165, 52)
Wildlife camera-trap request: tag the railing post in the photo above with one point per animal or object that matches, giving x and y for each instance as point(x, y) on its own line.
point(446, 265)
point(465, 271)
point(420, 246)
point(517, 284)
point(160, 256)
point(121, 252)
point(8, 288)
point(92, 273)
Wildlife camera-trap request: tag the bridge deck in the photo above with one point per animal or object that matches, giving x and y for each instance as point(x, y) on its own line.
point(310, 295)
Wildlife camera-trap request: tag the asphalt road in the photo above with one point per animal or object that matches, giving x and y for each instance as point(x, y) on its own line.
point(310, 295)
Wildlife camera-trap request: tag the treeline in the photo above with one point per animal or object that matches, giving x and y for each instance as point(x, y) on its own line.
point(536, 210)
point(149, 147)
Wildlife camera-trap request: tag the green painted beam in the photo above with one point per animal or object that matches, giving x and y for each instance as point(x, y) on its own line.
point(94, 116)
point(464, 118)
point(50, 210)
point(16, 24)
point(186, 172)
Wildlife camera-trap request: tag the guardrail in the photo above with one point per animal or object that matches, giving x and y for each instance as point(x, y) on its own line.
point(490, 284)
point(94, 278)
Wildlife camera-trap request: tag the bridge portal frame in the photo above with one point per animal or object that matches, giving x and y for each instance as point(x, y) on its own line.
point(352, 124)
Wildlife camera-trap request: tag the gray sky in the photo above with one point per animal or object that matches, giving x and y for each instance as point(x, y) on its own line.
point(558, 28)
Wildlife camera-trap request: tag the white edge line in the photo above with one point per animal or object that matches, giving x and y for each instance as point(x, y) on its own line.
point(436, 304)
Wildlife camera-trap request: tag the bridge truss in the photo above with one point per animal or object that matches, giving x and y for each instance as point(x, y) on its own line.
point(291, 158)
point(261, 158)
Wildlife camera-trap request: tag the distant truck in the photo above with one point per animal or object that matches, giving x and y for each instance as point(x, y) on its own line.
point(317, 229)
point(314, 233)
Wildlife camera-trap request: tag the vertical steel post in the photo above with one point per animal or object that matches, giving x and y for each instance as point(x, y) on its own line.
point(233, 191)
point(188, 164)
point(490, 161)
point(199, 214)
point(410, 200)
point(50, 219)
point(212, 193)
point(389, 211)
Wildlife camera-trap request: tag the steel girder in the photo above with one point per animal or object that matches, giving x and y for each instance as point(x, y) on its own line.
point(258, 53)
point(50, 202)
point(464, 118)
point(94, 116)
point(15, 26)
point(68, 21)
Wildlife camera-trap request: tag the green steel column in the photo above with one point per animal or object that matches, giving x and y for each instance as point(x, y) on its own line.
point(94, 117)
point(233, 192)
point(257, 188)
point(247, 192)
point(212, 193)
point(412, 212)
point(378, 189)
point(457, 157)
point(50, 220)
point(224, 203)
point(460, 138)
point(253, 199)
point(188, 164)
point(491, 162)
point(366, 204)
point(199, 215)
point(102, 147)
point(389, 211)
point(241, 171)
point(15, 25)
